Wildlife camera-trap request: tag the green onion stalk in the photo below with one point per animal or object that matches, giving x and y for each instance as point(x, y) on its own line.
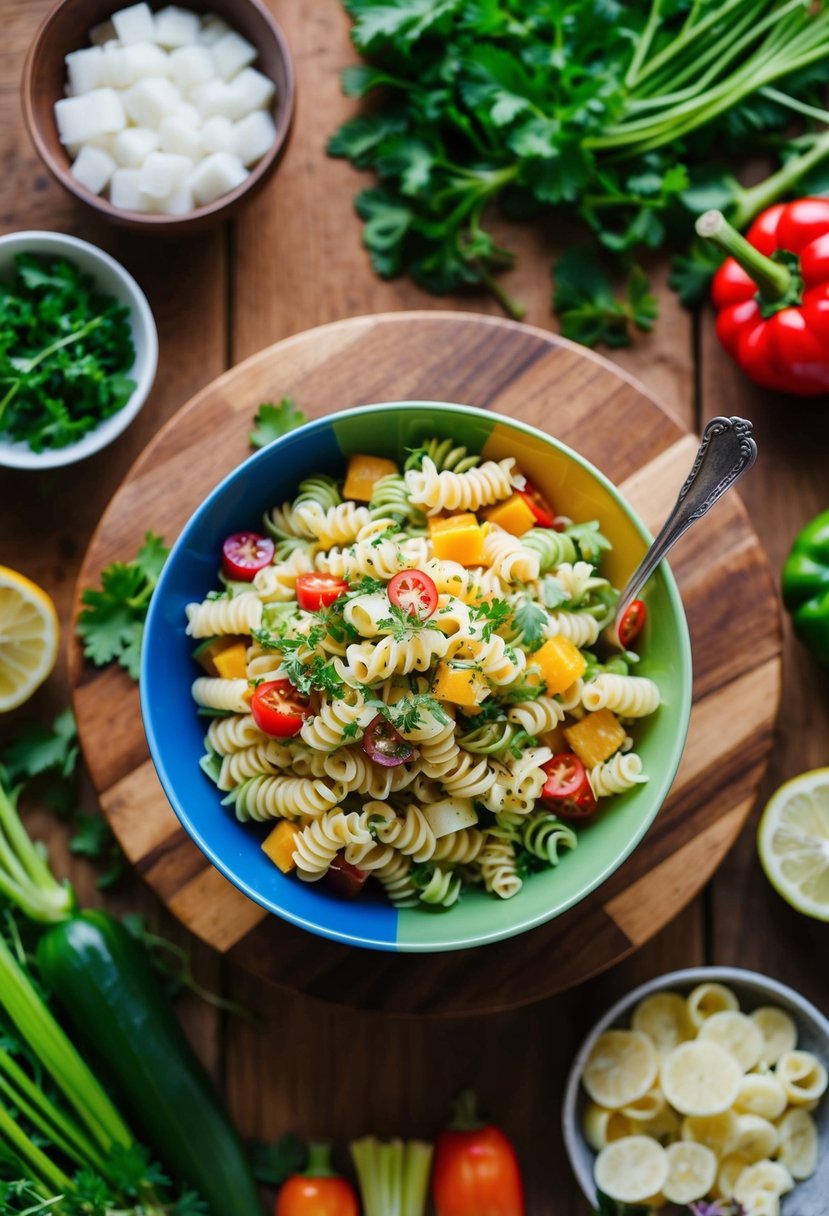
point(393, 1175)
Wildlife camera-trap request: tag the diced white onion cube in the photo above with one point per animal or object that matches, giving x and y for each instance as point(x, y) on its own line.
point(215, 176)
point(93, 168)
point(191, 65)
point(179, 202)
point(255, 91)
point(134, 24)
point(178, 137)
point(232, 53)
point(163, 172)
point(142, 60)
point(124, 191)
point(85, 70)
point(176, 26)
point(99, 34)
point(95, 113)
point(188, 114)
point(253, 136)
point(217, 135)
point(213, 28)
point(151, 100)
point(217, 97)
point(132, 147)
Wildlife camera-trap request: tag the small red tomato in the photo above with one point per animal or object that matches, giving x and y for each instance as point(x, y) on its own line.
point(632, 622)
point(385, 746)
point(414, 592)
point(315, 591)
point(567, 790)
point(278, 709)
point(344, 879)
point(544, 514)
point(245, 553)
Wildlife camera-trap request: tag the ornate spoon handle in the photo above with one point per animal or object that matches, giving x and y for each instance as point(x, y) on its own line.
point(726, 452)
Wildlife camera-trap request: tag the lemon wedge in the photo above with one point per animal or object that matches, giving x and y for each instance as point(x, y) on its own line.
point(29, 637)
point(793, 842)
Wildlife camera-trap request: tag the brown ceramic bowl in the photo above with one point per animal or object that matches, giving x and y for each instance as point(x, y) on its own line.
point(66, 28)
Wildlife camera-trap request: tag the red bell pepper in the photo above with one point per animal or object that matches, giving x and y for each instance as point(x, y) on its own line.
point(475, 1171)
point(319, 1191)
point(772, 295)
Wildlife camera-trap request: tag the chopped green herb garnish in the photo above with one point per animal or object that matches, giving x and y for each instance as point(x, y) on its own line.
point(274, 421)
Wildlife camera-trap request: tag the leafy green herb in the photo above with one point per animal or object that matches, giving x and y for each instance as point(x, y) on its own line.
point(692, 272)
point(111, 623)
point(93, 838)
point(529, 618)
point(37, 750)
point(408, 714)
point(590, 541)
point(591, 110)
point(490, 615)
point(589, 311)
point(273, 1163)
point(65, 349)
point(273, 421)
point(553, 591)
point(402, 624)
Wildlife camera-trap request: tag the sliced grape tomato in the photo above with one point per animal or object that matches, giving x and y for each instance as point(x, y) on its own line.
point(246, 553)
point(544, 514)
point(414, 592)
point(567, 790)
point(279, 709)
point(632, 623)
point(343, 879)
point(385, 746)
point(315, 591)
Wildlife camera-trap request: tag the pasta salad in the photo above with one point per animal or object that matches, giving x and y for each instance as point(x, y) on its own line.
point(406, 676)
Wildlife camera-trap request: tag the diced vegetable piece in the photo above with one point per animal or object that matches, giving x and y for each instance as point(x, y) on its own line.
point(207, 652)
point(460, 685)
point(231, 663)
point(450, 816)
point(596, 738)
point(560, 663)
point(554, 739)
point(363, 474)
point(280, 844)
point(458, 538)
point(513, 515)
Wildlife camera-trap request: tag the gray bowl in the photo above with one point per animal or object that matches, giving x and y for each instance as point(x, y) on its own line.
point(810, 1197)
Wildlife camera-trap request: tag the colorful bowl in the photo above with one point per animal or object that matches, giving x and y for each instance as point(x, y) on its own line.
point(752, 990)
point(176, 734)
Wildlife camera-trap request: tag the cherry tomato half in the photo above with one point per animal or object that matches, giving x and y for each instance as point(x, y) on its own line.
point(344, 879)
point(278, 709)
point(245, 553)
point(567, 790)
point(414, 592)
point(544, 514)
point(632, 623)
point(315, 591)
point(385, 746)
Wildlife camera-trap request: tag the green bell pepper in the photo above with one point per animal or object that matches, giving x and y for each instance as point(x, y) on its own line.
point(806, 586)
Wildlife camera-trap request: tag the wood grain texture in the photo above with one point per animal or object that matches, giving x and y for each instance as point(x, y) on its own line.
point(526, 374)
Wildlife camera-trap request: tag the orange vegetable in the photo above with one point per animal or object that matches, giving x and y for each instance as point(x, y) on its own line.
point(363, 474)
point(458, 538)
point(280, 844)
point(596, 737)
point(461, 685)
point(513, 515)
point(560, 664)
point(207, 652)
point(231, 663)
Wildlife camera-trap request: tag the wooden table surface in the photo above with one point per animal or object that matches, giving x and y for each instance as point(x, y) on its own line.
point(293, 260)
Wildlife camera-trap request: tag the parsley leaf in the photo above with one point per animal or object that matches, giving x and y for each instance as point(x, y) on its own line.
point(274, 421)
point(530, 618)
point(111, 623)
point(553, 591)
point(490, 615)
point(590, 313)
point(36, 749)
point(590, 541)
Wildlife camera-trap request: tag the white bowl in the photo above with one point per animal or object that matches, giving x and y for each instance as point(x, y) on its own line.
point(112, 279)
point(809, 1197)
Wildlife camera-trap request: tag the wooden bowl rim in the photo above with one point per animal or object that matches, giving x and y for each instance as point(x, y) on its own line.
point(158, 222)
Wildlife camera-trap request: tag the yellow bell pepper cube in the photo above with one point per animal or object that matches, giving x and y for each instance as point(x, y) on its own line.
point(463, 686)
point(363, 474)
point(280, 845)
point(231, 663)
point(596, 737)
point(458, 538)
point(208, 651)
point(560, 664)
point(513, 515)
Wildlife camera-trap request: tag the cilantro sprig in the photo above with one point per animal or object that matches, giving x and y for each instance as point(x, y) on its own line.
point(111, 623)
point(65, 349)
point(273, 421)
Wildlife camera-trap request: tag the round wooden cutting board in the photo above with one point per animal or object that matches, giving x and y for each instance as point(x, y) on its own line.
point(722, 572)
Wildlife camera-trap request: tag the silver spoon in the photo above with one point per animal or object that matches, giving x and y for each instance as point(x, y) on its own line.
point(726, 452)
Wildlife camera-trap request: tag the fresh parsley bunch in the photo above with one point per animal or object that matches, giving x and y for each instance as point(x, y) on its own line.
point(597, 111)
point(65, 349)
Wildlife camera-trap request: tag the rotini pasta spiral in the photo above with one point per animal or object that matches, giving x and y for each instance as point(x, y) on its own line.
point(280, 798)
point(391, 498)
point(444, 455)
point(367, 663)
point(614, 776)
point(470, 584)
point(410, 833)
point(470, 776)
point(325, 731)
point(545, 836)
point(499, 662)
point(261, 759)
point(316, 846)
point(510, 560)
point(442, 887)
point(350, 769)
point(439, 753)
point(373, 559)
point(629, 696)
point(459, 848)
point(241, 614)
point(277, 584)
point(580, 628)
point(228, 735)
point(450, 491)
point(315, 494)
point(578, 580)
point(498, 868)
point(396, 878)
point(215, 693)
point(538, 716)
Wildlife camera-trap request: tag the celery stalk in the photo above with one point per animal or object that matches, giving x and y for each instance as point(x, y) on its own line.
point(393, 1175)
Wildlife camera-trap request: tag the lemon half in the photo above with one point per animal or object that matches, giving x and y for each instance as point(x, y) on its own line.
point(793, 842)
point(29, 638)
